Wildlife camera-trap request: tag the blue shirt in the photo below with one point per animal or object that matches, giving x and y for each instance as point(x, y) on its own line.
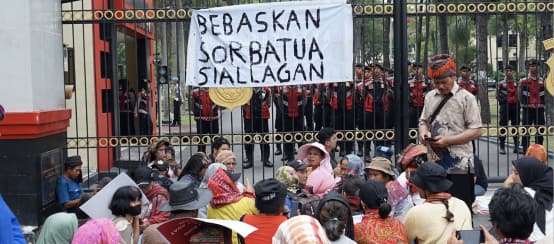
point(67, 190)
point(10, 230)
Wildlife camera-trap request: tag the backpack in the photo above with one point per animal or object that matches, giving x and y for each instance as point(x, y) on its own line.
point(306, 202)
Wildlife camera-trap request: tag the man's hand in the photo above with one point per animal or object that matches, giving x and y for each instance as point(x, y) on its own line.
point(453, 239)
point(423, 137)
point(439, 142)
point(489, 239)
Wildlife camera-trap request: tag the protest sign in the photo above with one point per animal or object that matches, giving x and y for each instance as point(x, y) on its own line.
point(98, 205)
point(271, 44)
point(196, 230)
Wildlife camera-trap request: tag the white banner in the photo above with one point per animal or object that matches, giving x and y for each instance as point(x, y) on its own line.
point(271, 44)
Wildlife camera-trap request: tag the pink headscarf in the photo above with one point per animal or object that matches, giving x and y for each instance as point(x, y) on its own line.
point(97, 231)
point(321, 178)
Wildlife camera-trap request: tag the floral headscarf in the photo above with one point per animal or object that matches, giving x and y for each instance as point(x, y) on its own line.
point(287, 175)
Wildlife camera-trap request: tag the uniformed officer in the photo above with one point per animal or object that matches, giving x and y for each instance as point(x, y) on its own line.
point(506, 94)
point(308, 108)
point(359, 106)
point(292, 99)
point(531, 93)
point(256, 116)
point(206, 114)
point(142, 112)
point(418, 88)
point(126, 107)
point(177, 101)
point(278, 122)
point(378, 100)
point(465, 82)
point(342, 102)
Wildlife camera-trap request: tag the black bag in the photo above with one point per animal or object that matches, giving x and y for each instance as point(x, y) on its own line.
point(307, 203)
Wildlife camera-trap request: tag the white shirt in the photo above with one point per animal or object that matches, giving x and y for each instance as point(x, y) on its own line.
point(548, 223)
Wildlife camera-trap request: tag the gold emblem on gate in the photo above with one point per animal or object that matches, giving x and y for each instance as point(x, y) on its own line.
point(230, 98)
point(549, 44)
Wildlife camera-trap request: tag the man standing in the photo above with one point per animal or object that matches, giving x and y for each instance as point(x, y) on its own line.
point(465, 82)
point(418, 89)
point(292, 100)
point(142, 109)
point(328, 138)
point(506, 94)
point(177, 101)
point(342, 104)
point(531, 93)
point(378, 100)
point(206, 114)
point(256, 116)
point(450, 120)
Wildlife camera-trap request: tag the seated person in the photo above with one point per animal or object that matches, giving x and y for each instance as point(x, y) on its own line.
point(270, 201)
point(349, 190)
point(185, 201)
point(68, 190)
point(300, 169)
point(441, 214)
point(536, 178)
point(159, 176)
point(512, 214)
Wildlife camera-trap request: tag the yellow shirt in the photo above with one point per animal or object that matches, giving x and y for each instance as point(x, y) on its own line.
point(233, 211)
point(427, 224)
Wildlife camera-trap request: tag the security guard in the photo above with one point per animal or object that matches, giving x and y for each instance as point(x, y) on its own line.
point(465, 82)
point(206, 114)
point(256, 116)
point(142, 112)
point(359, 106)
point(418, 88)
point(292, 100)
point(531, 93)
point(342, 102)
point(378, 100)
point(506, 94)
point(308, 108)
point(278, 122)
point(126, 107)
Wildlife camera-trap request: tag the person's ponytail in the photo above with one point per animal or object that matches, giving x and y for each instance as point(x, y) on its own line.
point(449, 215)
point(384, 209)
point(334, 229)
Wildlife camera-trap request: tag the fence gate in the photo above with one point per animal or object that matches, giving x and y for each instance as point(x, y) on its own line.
point(124, 57)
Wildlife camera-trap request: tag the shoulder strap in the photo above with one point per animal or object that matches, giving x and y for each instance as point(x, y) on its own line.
point(438, 109)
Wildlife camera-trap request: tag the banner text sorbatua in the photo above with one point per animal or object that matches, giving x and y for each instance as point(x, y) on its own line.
point(299, 58)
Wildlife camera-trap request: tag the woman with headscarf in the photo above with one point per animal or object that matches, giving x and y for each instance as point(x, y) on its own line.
point(441, 214)
point(100, 231)
point(299, 230)
point(58, 228)
point(227, 201)
point(203, 211)
point(335, 215)
point(536, 178)
point(321, 178)
point(377, 226)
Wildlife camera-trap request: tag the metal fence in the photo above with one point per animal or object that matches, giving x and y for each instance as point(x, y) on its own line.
point(117, 52)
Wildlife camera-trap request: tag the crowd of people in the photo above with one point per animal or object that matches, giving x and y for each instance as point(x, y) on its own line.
point(426, 197)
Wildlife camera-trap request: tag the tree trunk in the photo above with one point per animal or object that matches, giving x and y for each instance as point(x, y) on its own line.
point(386, 42)
point(419, 33)
point(505, 41)
point(443, 31)
point(546, 23)
point(482, 62)
point(522, 48)
point(427, 38)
